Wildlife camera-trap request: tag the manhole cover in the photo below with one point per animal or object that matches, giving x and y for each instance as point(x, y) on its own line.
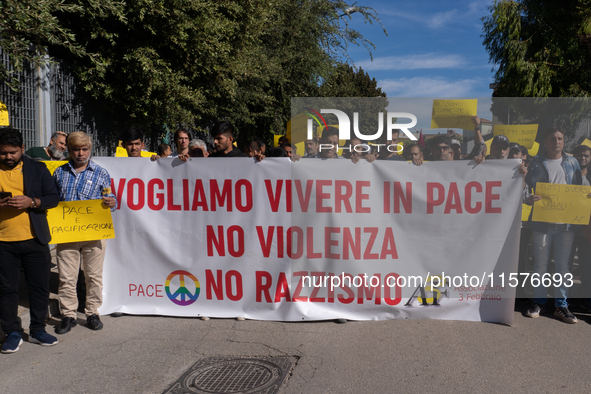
point(234, 375)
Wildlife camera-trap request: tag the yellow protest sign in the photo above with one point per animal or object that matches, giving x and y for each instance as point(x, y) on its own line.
point(586, 142)
point(297, 129)
point(300, 148)
point(3, 115)
point(534, 150)
point(456, 114)
point(121, 152)
point(76, 221)
point(297, 132)
point(52, 165)
point(522, 134)
point(525, 211)
point(488, 144)
point(562, 204)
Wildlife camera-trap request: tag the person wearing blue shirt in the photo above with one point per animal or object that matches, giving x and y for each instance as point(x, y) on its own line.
point(81, 179)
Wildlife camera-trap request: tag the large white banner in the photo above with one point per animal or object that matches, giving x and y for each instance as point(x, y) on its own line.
point(313, 240)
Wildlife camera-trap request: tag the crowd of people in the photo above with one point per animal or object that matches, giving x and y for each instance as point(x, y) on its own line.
point(27, 190)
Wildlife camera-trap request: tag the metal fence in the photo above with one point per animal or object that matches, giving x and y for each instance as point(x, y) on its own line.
point(49, 100)
point(73, 110)
point(22, 105)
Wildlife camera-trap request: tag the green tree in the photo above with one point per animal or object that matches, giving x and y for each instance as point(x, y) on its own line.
point(347, 81)
point(541, 48)
point(190, 62)
point(28, 28)
point(306, 41)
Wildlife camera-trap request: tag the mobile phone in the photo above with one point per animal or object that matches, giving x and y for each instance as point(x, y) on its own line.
point(3, 195)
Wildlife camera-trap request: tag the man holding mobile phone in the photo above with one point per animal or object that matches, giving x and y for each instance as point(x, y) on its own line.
point(28, 189)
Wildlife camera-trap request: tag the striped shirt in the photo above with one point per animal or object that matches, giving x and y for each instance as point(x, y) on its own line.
point(92, 183)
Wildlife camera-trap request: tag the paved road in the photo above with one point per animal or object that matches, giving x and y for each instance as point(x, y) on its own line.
point(145, 354)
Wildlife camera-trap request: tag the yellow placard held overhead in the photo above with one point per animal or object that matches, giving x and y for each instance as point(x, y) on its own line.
point(522, 134)
point(121, 152)
point(76, 221)
point(455, 114)
point(562, 204)
point(3, 115)
point(52, 165)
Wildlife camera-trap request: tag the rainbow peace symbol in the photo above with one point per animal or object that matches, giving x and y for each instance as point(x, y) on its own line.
point(182, 296)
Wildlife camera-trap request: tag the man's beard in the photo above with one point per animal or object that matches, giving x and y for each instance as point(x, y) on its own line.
point(55, 153)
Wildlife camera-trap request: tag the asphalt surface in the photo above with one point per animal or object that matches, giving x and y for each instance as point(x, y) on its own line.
point(146, 354)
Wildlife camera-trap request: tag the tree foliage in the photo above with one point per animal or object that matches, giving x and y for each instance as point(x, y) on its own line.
point(364, 96)
point(28, 28)
point(347, 81)
point(541, 48)
point(189, 62)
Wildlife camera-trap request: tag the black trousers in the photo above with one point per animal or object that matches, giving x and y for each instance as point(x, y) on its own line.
point(35, 261)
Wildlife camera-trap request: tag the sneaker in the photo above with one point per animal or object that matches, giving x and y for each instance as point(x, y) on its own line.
point(93, 322)
point(340, 321)
point(66, 325)
point(43, 338)
point(12, 343)
point(565, 315)
point(240, 318)
point(535, 310)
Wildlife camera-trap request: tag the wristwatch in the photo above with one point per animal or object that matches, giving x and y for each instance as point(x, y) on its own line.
point(33, 204)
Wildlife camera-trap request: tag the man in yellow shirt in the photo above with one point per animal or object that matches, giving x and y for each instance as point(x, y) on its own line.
point(27, 189)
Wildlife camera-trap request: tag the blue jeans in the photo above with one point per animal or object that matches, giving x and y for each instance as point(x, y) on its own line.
point(563, 242)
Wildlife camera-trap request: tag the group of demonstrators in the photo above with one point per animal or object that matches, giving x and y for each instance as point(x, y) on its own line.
point(28, 190)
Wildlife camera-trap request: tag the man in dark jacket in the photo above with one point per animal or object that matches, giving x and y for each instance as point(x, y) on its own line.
point(28, 189)
point(223, 139)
